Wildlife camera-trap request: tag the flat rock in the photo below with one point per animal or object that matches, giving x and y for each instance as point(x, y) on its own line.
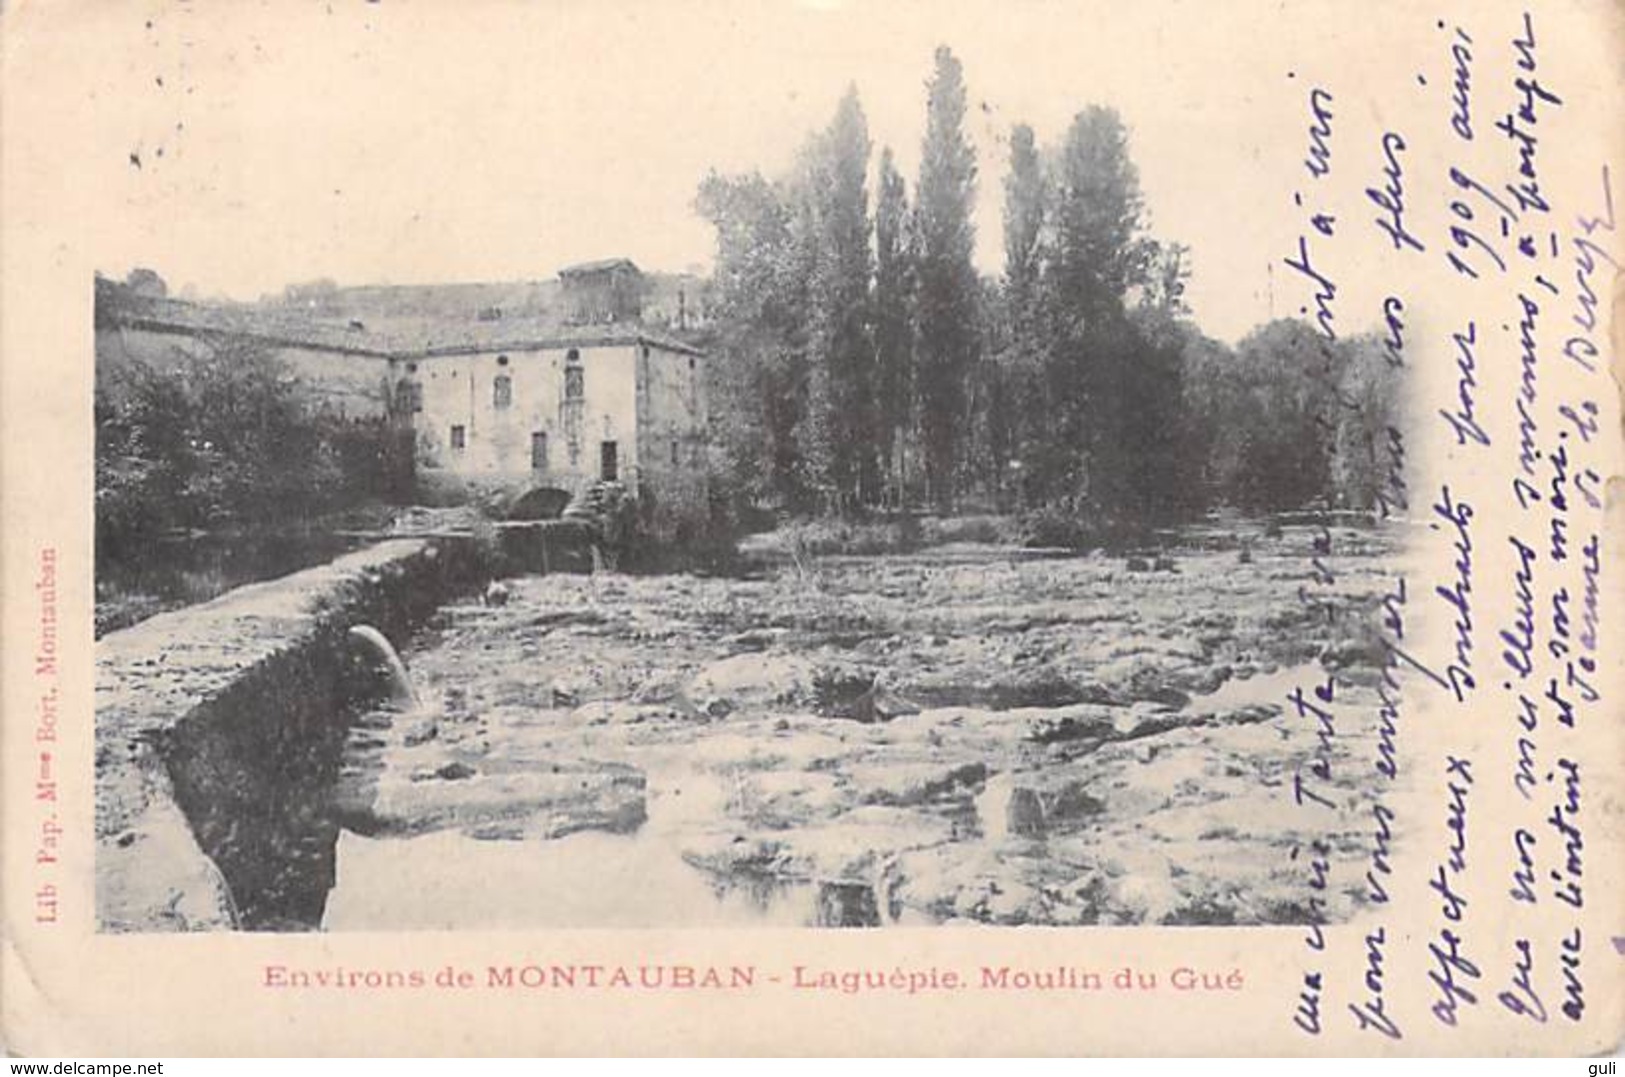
point(581, 795)
point(907, 784)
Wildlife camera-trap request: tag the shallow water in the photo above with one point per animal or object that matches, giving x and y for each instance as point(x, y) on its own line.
point(447, 880)
point(991, 795)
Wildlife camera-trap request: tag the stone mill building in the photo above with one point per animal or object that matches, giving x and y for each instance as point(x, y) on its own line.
point(538, 390)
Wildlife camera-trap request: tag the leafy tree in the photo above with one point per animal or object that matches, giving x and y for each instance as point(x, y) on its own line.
point(1020, 426)
point(224, 434)
point(1210, 404)
point(1025, 206)
point(839, 432)
point(1368, 443)
point(893, 322)
point(1289, 420)
point(1169, 273)
point(1100, 252)
point(1285, 373)
point(948, 290)
point(754, 376)
point(1109, 387)
point(146, 282)
point(1075, 380)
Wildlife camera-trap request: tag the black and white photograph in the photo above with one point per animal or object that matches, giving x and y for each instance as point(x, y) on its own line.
point(896, 516)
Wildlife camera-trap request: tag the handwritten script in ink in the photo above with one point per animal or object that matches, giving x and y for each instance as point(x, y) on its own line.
point(1492, 270)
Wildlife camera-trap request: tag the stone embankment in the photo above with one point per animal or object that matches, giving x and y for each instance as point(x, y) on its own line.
point(212, 721)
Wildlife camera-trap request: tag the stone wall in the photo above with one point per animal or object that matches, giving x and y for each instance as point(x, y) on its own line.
point(495, 434)
point(219, 728)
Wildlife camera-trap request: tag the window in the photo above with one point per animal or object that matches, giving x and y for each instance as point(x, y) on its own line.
point(501, 391)
point(408, 396)
point(575, 385)
point(675, 458)
point(538, 450)
point(608, 462)
point(459, 437)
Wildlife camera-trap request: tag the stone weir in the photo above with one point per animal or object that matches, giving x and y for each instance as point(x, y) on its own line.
point(219, 731)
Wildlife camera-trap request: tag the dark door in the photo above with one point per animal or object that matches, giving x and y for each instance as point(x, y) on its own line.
point(608, 462)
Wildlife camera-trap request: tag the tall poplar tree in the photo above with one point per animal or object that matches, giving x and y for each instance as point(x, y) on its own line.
point(948, 297)
point(893, 325)
point(1024, 210)
point(1099, 254)
point(840, 428)
point(1026, 406)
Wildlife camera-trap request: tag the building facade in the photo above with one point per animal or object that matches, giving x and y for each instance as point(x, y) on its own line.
point(495, 405)
point(562, 413)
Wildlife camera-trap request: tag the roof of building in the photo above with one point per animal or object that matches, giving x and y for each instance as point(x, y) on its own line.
point(601, 265)
point(389, 338)
point(514, 339)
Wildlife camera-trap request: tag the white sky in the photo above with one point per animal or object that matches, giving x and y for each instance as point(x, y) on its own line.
point(407, 141)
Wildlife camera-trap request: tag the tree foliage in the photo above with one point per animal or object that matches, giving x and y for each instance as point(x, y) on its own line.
point(840, 434)
point(947, 301)
point(227, 436)
point(893, 309)
point(860, 361)
point(753, 381)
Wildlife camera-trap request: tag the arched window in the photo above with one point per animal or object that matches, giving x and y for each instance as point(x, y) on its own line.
point(501, 391)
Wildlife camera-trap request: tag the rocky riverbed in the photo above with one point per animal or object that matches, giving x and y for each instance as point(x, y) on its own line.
point(969, 733)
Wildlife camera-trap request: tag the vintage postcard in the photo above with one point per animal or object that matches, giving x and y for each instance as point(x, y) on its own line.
point(819, 527)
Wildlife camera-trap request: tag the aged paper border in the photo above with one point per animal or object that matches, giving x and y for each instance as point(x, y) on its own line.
point(68, 990)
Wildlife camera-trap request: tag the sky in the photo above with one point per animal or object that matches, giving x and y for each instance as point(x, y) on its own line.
point(248, 146)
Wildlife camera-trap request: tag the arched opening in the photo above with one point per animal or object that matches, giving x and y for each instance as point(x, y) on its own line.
point(538, 503)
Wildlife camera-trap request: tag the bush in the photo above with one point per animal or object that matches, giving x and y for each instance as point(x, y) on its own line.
point(1072, 529)
point(228, 437)
point(1052, 527)
point(818, 538)
point(941, 530)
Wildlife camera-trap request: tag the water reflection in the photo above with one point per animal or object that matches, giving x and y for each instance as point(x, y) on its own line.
point(447, 880)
